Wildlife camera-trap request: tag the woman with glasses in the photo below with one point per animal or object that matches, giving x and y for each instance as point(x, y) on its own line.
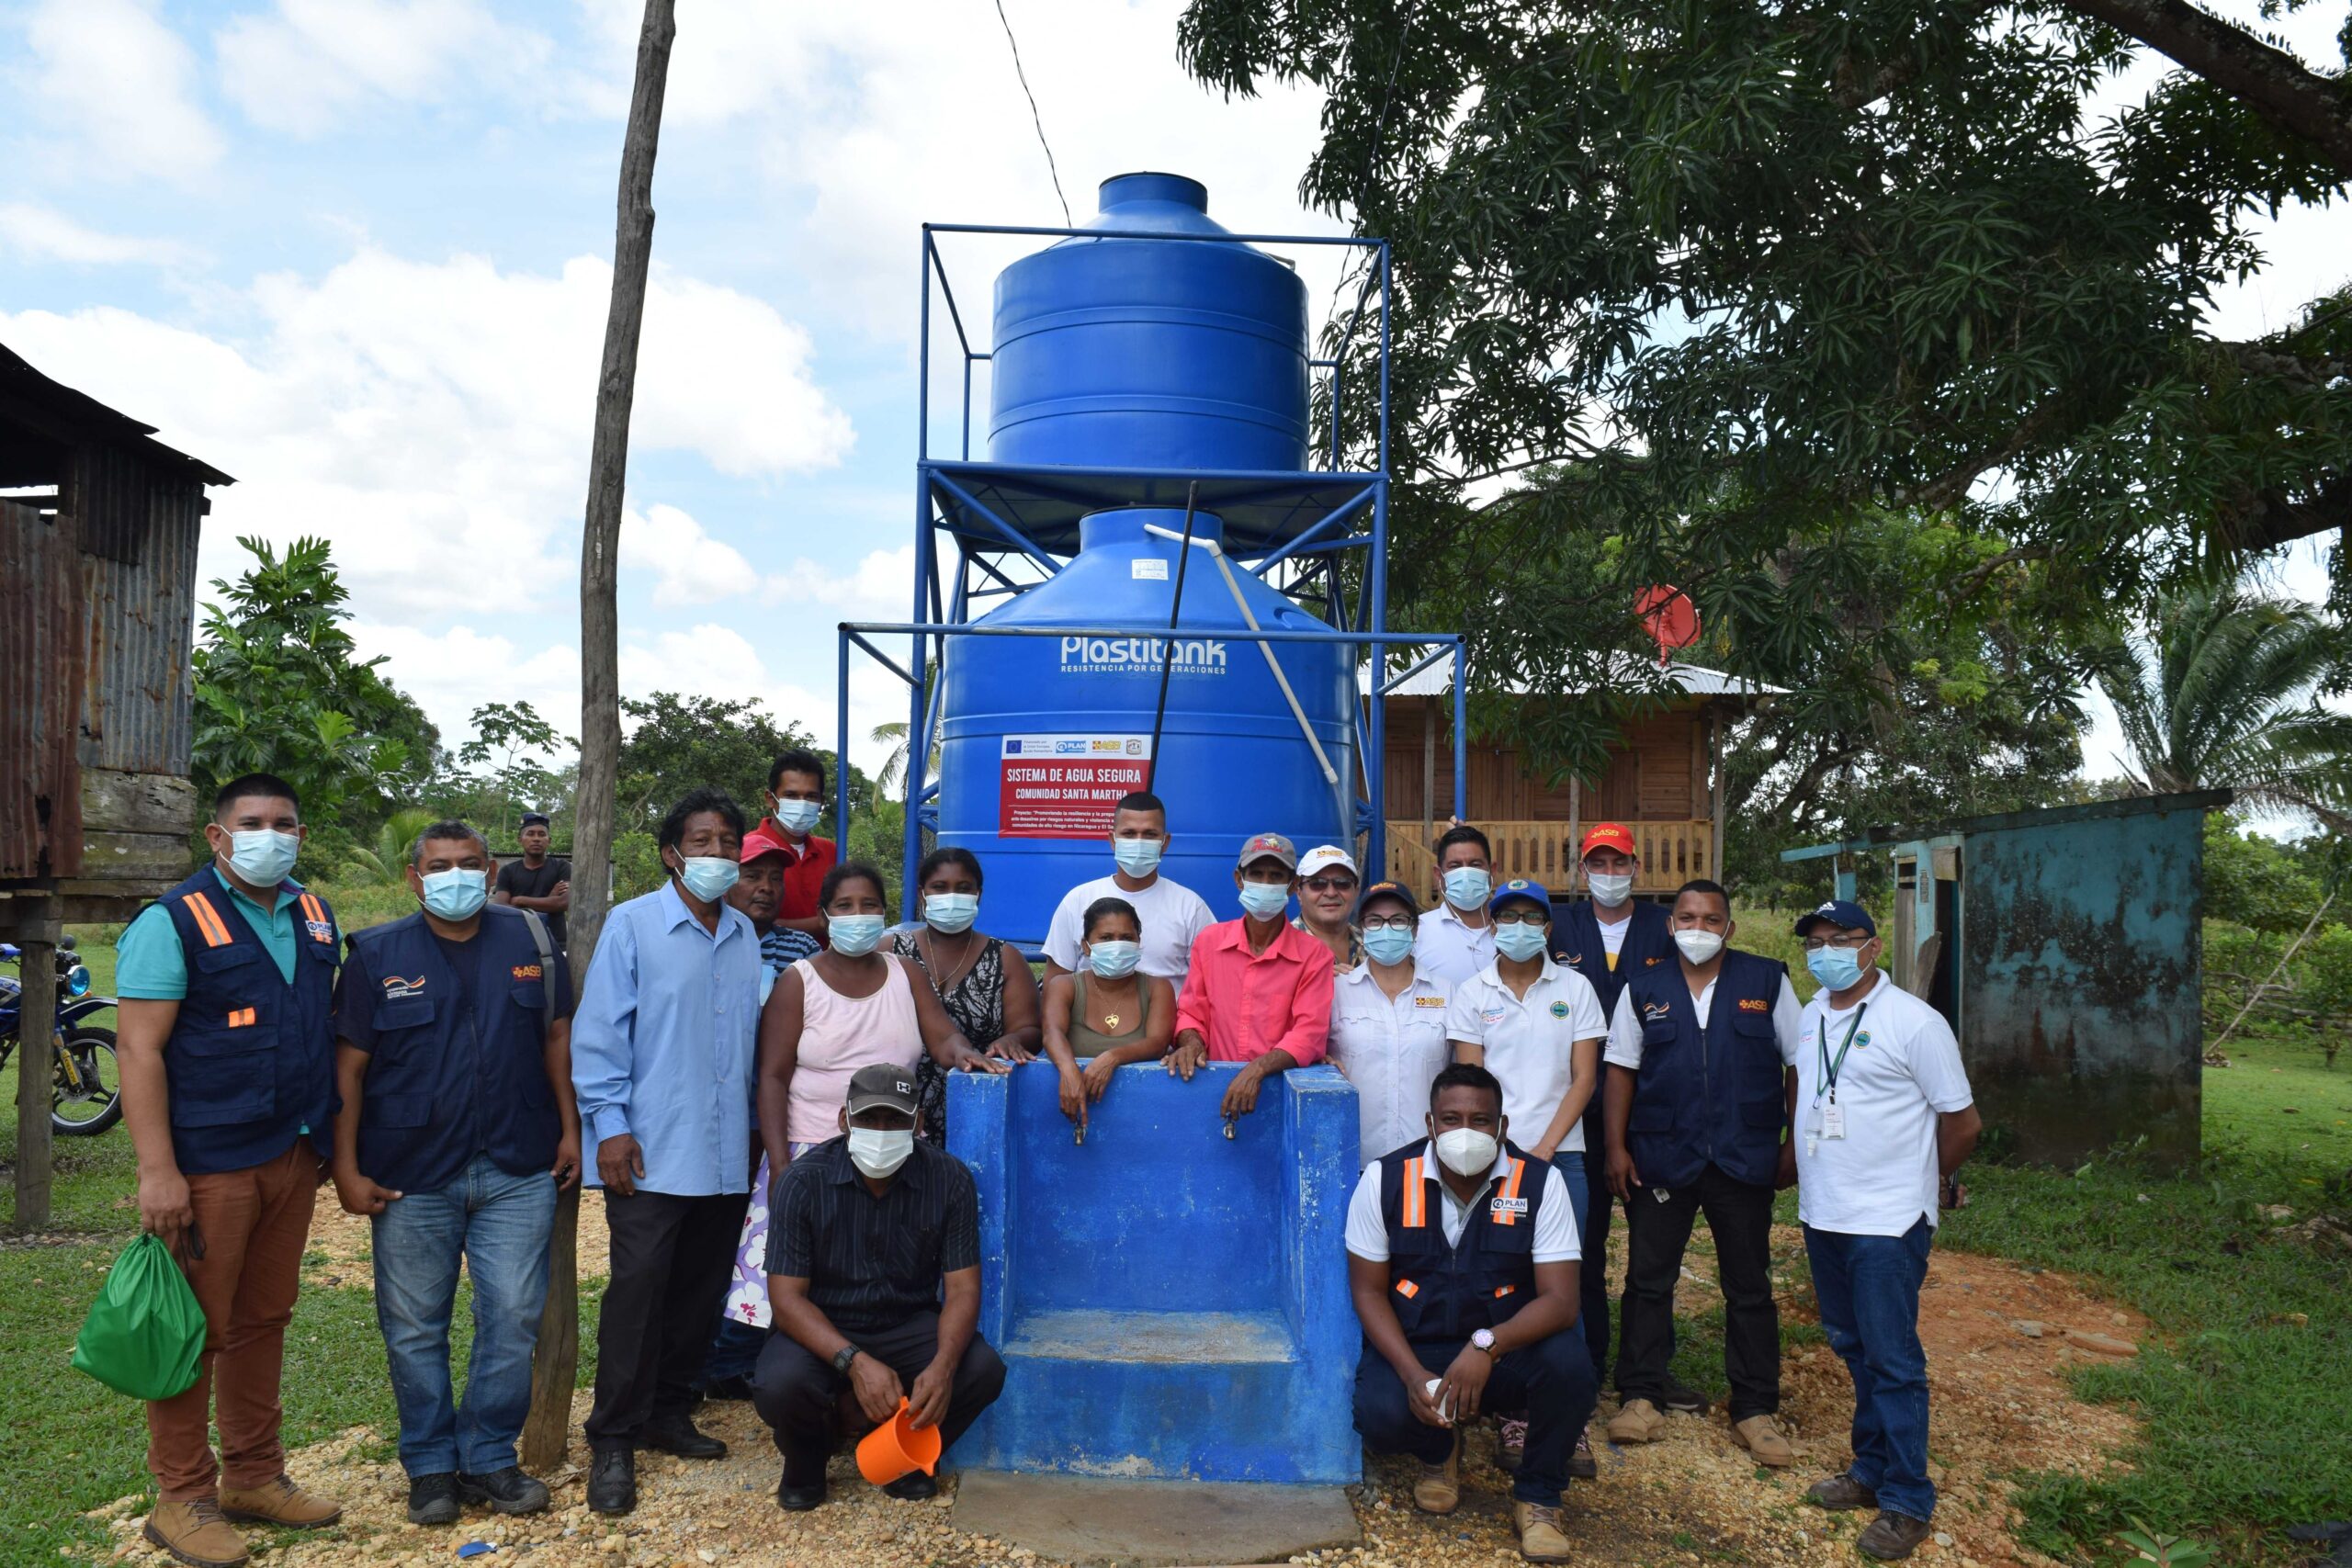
point(1388, 1025)
point(1327, 898)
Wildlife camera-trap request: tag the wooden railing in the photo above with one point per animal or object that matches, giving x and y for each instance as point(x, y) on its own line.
point(1671, 853)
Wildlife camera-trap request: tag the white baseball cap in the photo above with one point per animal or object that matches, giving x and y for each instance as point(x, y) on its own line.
point(1323, 856)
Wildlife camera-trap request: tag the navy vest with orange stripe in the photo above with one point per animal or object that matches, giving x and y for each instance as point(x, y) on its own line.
point(1445, 1292)
point(1709, 1090)
point(251, 1058)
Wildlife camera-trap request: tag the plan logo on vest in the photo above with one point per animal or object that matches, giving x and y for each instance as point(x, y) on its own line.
point(1141, 655)
point(1502, 1206)
point(395, 988)
point(320, 930)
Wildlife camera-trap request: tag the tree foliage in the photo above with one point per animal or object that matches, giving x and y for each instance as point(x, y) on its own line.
point(677, 742)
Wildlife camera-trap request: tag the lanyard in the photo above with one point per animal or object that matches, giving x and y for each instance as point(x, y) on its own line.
point(1829, 1069)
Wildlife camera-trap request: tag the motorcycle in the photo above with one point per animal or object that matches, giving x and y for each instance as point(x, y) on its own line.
point(85, 1091)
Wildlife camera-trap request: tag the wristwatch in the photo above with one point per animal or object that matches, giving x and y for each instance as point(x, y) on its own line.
point(844, 1356)
point(1484, 1340)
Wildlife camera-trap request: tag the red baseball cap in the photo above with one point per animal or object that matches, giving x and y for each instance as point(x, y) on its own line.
point(1609, 836)
point(757, 842)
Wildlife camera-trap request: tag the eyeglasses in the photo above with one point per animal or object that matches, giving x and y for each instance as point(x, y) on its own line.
point(1843, 940)
point(1331, 885)
point(1388, 922)
point(1520, 917)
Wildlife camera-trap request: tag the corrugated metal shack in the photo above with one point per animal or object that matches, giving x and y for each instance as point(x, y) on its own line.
point(2067, 949)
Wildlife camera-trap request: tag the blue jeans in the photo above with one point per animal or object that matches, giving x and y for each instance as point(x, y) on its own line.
point(1569, 1163)
point(1869, 1290)
point(499, 1223)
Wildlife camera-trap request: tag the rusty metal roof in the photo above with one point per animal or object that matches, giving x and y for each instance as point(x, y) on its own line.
point(37, 414)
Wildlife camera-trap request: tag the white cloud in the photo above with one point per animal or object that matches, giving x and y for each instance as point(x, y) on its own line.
point(315, 64)
point(40, 234)
point(112, 81)
point(692, 567)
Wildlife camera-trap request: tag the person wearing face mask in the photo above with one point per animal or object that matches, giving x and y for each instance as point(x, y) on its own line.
point(1457, 939)
point(661, 1064)
point(1172, 915)
point(984, 984)
point(1537, 1027)
point(1388, 1024)
point(874, 1267)
point(1605, 938)
point(1259, 989)
point(1884, 1119)
point(1699, 1096)
point(1109, 1011)
point(1474, 1311)
point(455, 1130)
point(796, 799)
point(226, 1037)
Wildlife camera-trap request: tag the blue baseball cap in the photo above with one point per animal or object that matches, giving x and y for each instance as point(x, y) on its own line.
point(1519, 888)
point(1839, 913)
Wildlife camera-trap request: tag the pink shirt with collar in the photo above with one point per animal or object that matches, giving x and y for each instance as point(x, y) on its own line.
point(1245, 1004)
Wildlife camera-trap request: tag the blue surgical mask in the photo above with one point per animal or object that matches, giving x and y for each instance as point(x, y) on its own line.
point(1521, 942)
point(1115, 960)
point(1389, 944)
point(951, 912)
point(1837, 968)
point(708, 877)
point(797, 817)
point(264, 857)
point(1137, 857)
point(1467, 886)
point(854, 936)
point(456, 895)
point(1264, 900)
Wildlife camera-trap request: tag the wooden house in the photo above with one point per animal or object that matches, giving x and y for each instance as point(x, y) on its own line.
point(1663, 781)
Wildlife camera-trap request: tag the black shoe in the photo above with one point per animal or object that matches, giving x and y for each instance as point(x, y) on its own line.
point(432, 1499)
point(1683, 1400)
point(728, 1388)
point(679, 1435)
point(611, 1479)
point(800, 1499)
point(507, 1491)
point(915, 1486)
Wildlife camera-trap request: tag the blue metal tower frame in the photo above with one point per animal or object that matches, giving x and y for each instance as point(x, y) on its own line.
point(1300, 523)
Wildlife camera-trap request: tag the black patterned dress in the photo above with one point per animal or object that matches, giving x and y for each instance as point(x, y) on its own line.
point(976, 1001)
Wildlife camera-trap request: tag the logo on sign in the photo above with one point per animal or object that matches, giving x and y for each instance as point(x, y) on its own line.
point(1141, 655)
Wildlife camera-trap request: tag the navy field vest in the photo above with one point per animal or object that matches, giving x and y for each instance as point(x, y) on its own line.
point(1445, 1292)
point(1649, 946)
point(1709, 1090)
point(251, 1058)
point(443, 1085)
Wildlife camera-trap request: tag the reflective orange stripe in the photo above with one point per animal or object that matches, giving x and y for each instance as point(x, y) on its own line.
point(1415, 1205)
point(311, 909)
point(1406, 1289)
point(1510, 1190)
point(207, 919)
point(241, 1018)
point(1503, 1291)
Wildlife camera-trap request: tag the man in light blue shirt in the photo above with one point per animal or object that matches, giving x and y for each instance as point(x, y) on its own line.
point(663, 1058)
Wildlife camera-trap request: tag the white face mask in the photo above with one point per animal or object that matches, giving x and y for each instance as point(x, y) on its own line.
point(1609, 891)
point(264, 857)
point(1466, 1151)
point(1698, 946)
point(878, 1153)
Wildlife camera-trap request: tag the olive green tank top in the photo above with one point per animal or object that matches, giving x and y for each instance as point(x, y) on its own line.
point(1085, 1040)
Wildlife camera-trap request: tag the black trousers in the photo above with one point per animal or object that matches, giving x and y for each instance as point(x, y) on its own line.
point(1592, 1275)
point(1552, 1379)
point(1739, 1216)
point(671, 1261)
point(795, 1392)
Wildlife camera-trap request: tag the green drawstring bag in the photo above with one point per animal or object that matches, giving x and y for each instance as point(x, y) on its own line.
point(145, 1330)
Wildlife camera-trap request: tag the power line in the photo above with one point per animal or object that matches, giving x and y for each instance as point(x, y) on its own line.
point(1035, 118)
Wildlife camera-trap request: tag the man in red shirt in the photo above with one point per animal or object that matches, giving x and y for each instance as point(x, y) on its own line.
point(796, 798)
point(1259, 991)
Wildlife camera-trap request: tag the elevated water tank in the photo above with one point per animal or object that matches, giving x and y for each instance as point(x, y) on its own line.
point(1150, 353)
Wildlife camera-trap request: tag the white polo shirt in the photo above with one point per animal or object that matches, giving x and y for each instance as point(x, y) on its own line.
point(1556, 1239)
point(1528, 1041)
point(1389, 1048)
point(1172, 915)
point(1901, 1073)
point(1625, 1048)
point(1448, 949)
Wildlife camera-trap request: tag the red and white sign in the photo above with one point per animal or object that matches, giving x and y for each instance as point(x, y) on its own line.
point(1065, 787)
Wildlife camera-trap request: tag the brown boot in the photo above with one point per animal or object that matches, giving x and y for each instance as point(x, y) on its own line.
point(1763, 1441)
point(279, 1502)
point(1638, 1421)
point(195, 1534)
point(1892, 1537)
point(1439, 1490)
point(1541, 1539)
point(1841, 1493)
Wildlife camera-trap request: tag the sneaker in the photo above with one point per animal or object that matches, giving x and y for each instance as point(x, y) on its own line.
point(1764, 1442)
point(611, 1479)
point(432, 1499)
point(1890, 1536)
point(1683, 1400)
point(1581, 1465)
point(1541, 1539)
point(915, 1486)
point(1840, 1493)
point(1638, 1421)
point(680, 1437)
point(196, 1533)
point(1510, 1444)
point(507, 1491)
point(1439, 1490)
point(280, 1501)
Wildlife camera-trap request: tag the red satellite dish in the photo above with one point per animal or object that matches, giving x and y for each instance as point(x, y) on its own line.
point(1668, 614)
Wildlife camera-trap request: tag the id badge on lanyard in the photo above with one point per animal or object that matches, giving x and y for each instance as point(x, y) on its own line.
point(1829, 1117)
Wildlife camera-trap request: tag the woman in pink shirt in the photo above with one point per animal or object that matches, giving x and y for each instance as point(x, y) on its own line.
point(1259, 991)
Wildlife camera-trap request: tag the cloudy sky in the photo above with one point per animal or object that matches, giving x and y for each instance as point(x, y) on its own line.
point(355, 252)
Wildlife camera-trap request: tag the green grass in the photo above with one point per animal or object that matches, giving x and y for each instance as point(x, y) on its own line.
point(2277, 1100)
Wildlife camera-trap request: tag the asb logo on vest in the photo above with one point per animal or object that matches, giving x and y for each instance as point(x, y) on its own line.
point(395, 988)
point(1754, 1004)
point(524, 970)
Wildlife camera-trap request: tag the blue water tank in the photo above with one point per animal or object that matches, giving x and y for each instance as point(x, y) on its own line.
point(1040, 735)
point(1150, 353)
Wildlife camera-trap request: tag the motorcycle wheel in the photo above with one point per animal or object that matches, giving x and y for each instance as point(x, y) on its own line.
point(97, 1105)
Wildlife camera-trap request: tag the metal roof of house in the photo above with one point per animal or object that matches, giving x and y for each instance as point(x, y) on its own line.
point(1696, 680)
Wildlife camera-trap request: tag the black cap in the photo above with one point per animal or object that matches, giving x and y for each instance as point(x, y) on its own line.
point(538, 817)
point(884, 1085)
point(1396, 890)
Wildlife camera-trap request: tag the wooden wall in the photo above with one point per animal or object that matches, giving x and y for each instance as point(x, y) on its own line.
point(1658, 774)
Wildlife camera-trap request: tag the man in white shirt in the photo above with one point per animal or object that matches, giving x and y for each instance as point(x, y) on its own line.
point(1489, 1294)
point(1884, 1116)
point(1172, 915)
point(1457, 939)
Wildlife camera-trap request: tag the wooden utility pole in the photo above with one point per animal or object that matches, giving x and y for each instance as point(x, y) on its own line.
point(36, 1057)
point(554, 1364)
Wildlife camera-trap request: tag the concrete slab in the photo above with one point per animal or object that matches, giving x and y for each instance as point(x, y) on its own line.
point(1151, 1524)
